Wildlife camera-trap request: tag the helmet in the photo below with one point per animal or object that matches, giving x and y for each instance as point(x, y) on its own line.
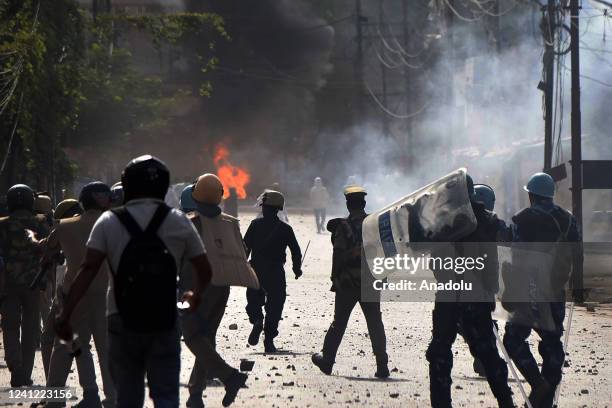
point(208, 189)
point(354, 189)
point(20, 197)
point(145, 177)
point(67, 209)
point(272, 198)
point(485, 195)
point(186, 202)
point(541, 184)
point(117, 194)
point(95, 195)
point(318, 181)
point(43, 204)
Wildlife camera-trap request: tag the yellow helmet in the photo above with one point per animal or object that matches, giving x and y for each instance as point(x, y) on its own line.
point(43, 204)
point(67, 208)
point(208, 189)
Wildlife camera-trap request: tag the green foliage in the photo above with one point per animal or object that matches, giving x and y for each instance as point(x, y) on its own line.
point(66, 81)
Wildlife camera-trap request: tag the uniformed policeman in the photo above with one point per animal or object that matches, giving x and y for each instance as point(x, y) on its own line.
point(470, 311)
point(267, 239)
point(19, 235)
point(346, 282)
point(220, 234)
point(545, 222)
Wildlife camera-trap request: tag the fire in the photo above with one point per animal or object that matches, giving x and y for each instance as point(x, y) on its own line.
point(231, 176)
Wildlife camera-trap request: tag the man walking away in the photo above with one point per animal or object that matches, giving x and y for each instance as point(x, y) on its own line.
point(89, 320)
point(19, 235)
point(470, 310)
point(220, 234)
point(319, 199)
point(346, 282)
point(145, 243)
point(267, 239)
point(544, 222)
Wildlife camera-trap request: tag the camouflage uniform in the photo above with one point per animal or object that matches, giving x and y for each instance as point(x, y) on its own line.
point(346, 282)
point(21, 307)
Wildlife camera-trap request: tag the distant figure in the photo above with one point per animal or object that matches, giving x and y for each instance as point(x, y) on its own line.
point(230, 206)
point(319, 199)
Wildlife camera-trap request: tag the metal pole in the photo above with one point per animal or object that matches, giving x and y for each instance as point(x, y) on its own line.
point(548, 32)
point(359, 59)
point(565, 345)
point(577, 277)
point(383, 71)
point(511, 367)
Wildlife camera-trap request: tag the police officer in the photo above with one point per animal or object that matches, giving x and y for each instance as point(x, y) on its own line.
point(545, 222)
point(485, 194)
point(19, 234)
point(267, 239)
point(220, 234)
point(346, 282)
point(471, 311)
point(89, 322)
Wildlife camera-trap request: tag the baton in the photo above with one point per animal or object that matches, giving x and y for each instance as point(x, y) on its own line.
point(511, 366)
point(565, 342)
point(305, 252)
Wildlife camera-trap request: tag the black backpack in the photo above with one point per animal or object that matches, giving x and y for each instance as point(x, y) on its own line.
point(145, 282)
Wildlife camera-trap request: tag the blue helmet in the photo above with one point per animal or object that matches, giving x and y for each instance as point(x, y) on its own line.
point(541, 184)
point(485, 195)
point(187, 203)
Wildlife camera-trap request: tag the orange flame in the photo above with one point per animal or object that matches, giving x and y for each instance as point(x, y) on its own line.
point(231, 176)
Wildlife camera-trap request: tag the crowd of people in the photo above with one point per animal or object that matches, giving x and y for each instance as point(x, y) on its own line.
point(120, 267)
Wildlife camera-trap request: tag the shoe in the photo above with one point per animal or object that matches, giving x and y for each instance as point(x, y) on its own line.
point(255, 333)
point(269, 346)
point(233, 384)
point(324, 365)
point(479, 368)
point(195, 401)
point(17, 379)
point(508, 403)
point(382, 370)
point(539, 393)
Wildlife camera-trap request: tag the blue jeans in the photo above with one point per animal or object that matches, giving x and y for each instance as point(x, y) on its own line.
point(134, 355)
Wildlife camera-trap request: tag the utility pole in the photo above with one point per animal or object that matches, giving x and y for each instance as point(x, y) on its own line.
point(383, 70)
point(358, 68)
point(576, 133)
point(548, 60)
point(407, 85)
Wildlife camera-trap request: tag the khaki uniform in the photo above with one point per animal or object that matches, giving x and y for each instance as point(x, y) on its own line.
point(21, 307)
point(89, 317)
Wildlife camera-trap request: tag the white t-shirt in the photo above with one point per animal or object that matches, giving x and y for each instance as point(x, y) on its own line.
point(111, 237)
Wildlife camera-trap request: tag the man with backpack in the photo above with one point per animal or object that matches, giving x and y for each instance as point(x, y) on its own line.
point(89, 321)
point(346, 282)
point(541, 223)
point(267, 239)
point(221, 236)
point(145, 243)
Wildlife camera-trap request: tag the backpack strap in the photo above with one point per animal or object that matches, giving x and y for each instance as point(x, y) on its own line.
point(127, 220)
point(157, 219)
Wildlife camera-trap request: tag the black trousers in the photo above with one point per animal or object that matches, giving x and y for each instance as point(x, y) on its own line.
point(550, 348)
point(346, 300)
point(477, 325)
point(270, 297)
